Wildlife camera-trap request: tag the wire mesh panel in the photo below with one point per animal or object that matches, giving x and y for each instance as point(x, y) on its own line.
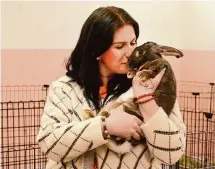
point(20, 123)
point(199, 116)
point(197, 109)
point(20, 120)
point(190, 86)
point(23, 93)
point(200, 150)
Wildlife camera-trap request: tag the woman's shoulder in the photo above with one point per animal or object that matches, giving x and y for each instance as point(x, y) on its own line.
point(64, 80)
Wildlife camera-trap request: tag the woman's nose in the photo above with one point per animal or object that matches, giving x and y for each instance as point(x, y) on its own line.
point(127, 55)
point(129, 52)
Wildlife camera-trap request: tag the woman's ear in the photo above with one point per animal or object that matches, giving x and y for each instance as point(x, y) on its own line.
point(98, 58)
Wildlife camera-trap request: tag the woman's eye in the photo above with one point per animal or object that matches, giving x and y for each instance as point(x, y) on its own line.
point(133, 43)
point(119, 47)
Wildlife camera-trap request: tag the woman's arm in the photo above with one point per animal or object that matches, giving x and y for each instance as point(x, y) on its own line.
point(166, 136)
point(150, 109)
point(62, 135)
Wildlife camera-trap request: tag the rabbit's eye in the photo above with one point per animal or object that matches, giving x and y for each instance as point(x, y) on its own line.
point(141, 52)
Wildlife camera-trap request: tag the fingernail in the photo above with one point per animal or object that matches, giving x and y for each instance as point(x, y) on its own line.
point(164, 68)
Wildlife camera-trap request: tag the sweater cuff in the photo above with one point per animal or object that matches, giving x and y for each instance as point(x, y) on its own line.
point(96, 131)
point(157, 122)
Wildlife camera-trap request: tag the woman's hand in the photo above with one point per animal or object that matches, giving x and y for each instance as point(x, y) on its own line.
point(147, 109)
point(148, 86)
point(124, 125)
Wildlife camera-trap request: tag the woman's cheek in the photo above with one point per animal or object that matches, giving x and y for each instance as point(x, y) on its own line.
point(117, 54)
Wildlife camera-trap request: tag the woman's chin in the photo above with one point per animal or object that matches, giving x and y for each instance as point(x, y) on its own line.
point(123, 71)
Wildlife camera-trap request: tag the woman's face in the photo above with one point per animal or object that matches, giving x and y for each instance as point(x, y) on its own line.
point(114, 60)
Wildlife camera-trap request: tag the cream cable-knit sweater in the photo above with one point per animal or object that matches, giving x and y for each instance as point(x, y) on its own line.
point(64, 136)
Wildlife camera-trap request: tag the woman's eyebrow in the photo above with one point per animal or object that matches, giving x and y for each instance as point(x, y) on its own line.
point(124, 41)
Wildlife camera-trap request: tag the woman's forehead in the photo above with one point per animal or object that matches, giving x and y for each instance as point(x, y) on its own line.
point(124, 34)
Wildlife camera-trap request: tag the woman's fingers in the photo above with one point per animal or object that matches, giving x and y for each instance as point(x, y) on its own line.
point(139, 122)
point(128, 138)
point(139, 130)
point(136, 135)
point(159, 76)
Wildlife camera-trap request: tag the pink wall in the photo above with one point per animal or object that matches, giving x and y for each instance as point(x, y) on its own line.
point(198, 66)
point(32, 67)
point(27, 67)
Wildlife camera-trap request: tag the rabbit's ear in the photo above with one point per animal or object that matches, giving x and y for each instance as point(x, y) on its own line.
point(169, 51)
point(130, 74)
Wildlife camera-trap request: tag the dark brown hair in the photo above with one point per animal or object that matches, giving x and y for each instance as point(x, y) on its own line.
point(95, 38)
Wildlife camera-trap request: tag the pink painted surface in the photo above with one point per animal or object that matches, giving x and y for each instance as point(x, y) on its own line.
point(198, 66)
point(33, 67)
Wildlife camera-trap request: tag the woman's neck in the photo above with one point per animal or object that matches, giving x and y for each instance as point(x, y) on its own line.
point(105, 74)
point(105, 79)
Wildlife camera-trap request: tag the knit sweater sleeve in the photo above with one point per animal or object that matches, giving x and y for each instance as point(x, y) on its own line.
point(166, 136)
point(63, 135)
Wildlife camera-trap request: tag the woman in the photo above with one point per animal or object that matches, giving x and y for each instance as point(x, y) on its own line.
point(96, 75)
